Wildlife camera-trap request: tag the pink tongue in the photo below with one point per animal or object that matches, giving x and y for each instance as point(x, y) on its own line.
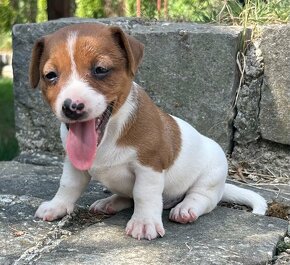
point(81, 144)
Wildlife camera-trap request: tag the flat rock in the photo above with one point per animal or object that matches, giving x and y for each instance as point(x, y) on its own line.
point(225, 236)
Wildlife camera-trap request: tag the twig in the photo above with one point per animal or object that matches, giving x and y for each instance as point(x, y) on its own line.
point(271, 172)
point(189, 247)
point(253, 173)
point(242, 71)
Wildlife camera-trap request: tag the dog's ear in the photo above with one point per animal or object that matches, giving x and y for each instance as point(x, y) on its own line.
point(34, 71)
point(132, 47)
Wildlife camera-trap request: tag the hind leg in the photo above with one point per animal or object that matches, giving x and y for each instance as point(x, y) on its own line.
point(111, 205)
point(200, 199)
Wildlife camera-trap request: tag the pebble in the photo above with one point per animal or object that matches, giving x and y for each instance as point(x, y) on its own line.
point(7, 198)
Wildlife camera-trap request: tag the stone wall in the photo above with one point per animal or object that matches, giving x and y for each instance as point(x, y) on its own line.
point(262, 135)
point(190, 71)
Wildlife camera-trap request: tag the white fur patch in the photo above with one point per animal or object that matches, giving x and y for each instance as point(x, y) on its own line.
point(112, 163)
point(118, 121)
point(71, 42)
point(72, 184)
point(77, 89)
point(146, 221)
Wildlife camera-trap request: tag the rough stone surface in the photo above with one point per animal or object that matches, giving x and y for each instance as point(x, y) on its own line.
point(262, 121)
point(188, 69)
point(246, 121)
point(275, 100)
point(264, 156)
point(225, 236)
point(206, 241)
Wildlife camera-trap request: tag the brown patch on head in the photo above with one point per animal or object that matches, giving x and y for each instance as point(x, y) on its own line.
point(154, 134)
point(132, 47)
point(50, 54)
point(55, 59)
point(34, 71)
point(96, 45)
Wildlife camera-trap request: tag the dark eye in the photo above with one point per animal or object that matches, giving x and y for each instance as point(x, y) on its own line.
point(100, 72)
point(51, 76)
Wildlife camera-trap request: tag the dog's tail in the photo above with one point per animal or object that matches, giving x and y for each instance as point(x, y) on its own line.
point(250, 198)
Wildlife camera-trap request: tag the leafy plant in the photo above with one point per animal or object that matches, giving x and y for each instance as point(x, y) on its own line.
point(193, 10)
point(254, 12)
point(7, 16)
point(14, 12)
point(282, 246)
point(5, 41)
point(41, 11)
point(90, 8)
point(230, 12)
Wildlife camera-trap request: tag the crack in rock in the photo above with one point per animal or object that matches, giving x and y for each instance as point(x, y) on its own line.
point(50, 241)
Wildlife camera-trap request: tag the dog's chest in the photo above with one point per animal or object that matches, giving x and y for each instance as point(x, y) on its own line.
point(113, 168)
point(118, 179)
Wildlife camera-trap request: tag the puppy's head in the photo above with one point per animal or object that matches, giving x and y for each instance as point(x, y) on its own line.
point(84, 68)
point(85, 72)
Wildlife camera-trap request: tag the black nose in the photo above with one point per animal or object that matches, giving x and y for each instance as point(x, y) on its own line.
point(73, 110)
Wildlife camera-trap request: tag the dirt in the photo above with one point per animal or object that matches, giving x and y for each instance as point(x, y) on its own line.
point(243, 173)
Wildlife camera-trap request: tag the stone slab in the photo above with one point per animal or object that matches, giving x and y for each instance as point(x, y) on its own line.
point(225, 236)
point(188, 69)
point(275, 96)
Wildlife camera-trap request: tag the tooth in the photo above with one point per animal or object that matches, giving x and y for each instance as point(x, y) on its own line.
point(98, 121)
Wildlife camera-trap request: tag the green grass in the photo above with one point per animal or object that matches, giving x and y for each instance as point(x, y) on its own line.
point(231, 12)
point(8, 142)
point(5, 41)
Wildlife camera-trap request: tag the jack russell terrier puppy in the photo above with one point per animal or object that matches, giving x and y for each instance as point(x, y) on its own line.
point(113, 132)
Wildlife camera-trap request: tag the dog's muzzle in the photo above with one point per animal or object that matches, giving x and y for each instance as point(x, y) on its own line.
point(73, 110)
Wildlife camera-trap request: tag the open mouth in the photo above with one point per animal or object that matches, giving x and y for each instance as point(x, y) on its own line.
point(84, 137)
point(101, 121)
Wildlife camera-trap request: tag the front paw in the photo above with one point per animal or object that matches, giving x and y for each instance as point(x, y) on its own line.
point(148, 228)
point(52, 210)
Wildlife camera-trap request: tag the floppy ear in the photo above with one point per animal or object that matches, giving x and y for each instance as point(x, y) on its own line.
point(34, 71)
point(132, 47)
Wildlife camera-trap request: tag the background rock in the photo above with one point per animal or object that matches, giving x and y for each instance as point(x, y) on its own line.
point(262, 135)
point(188, 69)
point(246, 122)
point(275, 97)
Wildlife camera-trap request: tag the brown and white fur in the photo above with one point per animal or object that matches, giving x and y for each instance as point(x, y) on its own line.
point(146, 157)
